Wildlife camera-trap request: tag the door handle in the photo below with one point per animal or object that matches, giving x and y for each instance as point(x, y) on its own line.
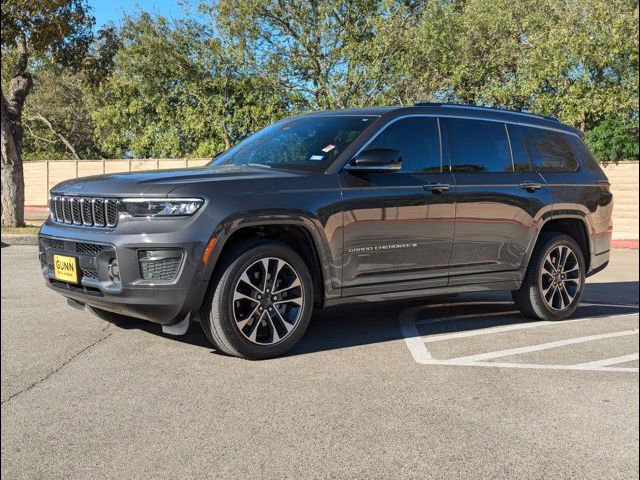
point(436, 187)
point(530, 186)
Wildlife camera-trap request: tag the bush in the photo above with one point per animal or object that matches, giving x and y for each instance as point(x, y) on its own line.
point(614, 140)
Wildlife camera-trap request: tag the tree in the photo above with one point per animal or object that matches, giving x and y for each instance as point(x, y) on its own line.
point(614, 139)
point(317, 54)
point(577, 61)
point(175, 92)
point(53, 29)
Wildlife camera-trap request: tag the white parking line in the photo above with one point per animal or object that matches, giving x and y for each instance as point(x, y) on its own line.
point(418, 345)
point(542, 346)
point(610, 361)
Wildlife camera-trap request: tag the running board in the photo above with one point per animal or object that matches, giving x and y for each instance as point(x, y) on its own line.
point(179, 328)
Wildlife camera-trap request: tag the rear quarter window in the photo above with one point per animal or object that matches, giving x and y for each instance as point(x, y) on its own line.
point(548, 150)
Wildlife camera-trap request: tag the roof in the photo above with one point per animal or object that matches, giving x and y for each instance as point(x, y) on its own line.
point(448, 109)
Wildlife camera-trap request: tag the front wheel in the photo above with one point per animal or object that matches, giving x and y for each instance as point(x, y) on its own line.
point(554, 282)
point(260, 301)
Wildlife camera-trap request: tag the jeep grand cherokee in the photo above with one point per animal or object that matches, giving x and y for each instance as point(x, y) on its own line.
point(333, 207)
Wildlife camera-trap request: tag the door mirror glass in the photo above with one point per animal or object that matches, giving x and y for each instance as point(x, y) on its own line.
point(376, 160)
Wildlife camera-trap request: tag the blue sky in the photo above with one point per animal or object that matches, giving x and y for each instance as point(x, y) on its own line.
point(113, 10)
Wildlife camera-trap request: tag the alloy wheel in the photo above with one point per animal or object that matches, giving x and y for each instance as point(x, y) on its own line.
point(560, 278)
point(268, 301)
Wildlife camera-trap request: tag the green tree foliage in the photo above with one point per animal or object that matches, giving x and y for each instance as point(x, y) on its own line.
point(57, 116)
point(574, 60)
point(317, 54)
point(58, 31)
point(614, 139)
point(154, 87)
point(174, 92)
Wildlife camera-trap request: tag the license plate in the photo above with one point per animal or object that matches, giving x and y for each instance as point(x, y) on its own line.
point(65, 268)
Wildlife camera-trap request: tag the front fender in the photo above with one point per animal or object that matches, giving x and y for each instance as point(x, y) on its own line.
point(330, 268)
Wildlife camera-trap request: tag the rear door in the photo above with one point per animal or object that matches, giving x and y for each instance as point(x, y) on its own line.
point(500, 200)
point(398, 226)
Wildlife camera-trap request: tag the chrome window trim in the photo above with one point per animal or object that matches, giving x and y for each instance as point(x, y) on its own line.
point(441, 147)
point(513, 160)
point(445, 116)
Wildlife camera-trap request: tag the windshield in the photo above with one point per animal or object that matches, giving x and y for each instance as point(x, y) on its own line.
point(309, 143)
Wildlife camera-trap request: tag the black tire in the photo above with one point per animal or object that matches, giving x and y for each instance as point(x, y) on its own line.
point(218, 317)
point(530, 298)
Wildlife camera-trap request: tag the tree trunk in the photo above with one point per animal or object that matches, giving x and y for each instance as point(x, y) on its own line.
point(12, 174)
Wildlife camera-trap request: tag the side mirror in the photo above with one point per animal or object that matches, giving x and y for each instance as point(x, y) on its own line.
point(376, 160)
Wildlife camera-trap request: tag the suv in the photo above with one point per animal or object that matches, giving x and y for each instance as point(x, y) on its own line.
point(334, 207)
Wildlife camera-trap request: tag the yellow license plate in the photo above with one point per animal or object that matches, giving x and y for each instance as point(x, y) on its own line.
point(65, 268)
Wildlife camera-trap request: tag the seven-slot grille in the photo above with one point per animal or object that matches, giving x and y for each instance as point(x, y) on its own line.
point(85, 211)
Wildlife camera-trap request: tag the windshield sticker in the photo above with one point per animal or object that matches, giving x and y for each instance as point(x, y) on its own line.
point(328, 148)
point(316, 157)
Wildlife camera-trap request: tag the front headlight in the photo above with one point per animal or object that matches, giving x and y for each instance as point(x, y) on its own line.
point(161, 207)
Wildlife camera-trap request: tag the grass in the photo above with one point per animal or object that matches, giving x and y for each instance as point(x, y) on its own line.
point(28, 230)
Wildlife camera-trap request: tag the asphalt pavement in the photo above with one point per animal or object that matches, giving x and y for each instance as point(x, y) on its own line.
point(459, 387)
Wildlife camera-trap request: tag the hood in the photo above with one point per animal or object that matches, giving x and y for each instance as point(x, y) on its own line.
point(162, 182)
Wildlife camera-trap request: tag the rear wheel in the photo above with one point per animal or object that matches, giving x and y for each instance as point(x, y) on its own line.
point(259, 302)
point(554, 282)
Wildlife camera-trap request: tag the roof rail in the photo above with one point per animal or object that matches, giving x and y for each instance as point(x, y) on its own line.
point(478, 107)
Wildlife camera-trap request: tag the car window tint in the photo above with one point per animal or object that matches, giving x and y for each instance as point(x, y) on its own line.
point(309, 142)
point(418, 141)
point(548, 150)
point(582, 153)
point(520, 159)
point(478, 146)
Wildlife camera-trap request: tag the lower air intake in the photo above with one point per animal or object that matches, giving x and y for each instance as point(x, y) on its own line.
point(159, 264)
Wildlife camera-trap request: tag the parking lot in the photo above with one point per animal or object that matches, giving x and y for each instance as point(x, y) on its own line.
point(460, 387)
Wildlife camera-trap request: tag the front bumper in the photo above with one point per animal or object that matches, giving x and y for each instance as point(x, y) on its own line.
point(159, 301)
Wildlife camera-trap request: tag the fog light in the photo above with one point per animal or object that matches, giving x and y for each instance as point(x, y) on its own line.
point(159, 264)
point(114, 271)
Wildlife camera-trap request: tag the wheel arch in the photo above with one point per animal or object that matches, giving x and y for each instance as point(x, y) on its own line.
point(573, 224)
point(298, 232)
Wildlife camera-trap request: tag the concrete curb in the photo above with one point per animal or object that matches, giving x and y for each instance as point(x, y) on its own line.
point(19, 239)
point(633, 244)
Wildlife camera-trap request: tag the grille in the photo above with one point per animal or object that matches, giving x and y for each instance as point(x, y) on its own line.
point(53, 243)
point(98, 212)
point(88, 248)
point(85, 211)
point(90, 274)
point(75, 211)
point(165, 269)
point(66, 210)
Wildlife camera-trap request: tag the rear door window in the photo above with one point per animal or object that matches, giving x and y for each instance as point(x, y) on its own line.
point(548, 150)
point(477, 146)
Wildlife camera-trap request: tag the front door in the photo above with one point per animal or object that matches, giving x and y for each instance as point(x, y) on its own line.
point(398, 226)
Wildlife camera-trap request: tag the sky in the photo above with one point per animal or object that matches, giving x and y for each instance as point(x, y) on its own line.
point(113, 10)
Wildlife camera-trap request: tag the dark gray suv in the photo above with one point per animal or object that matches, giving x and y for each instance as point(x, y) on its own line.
point(334, 207)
